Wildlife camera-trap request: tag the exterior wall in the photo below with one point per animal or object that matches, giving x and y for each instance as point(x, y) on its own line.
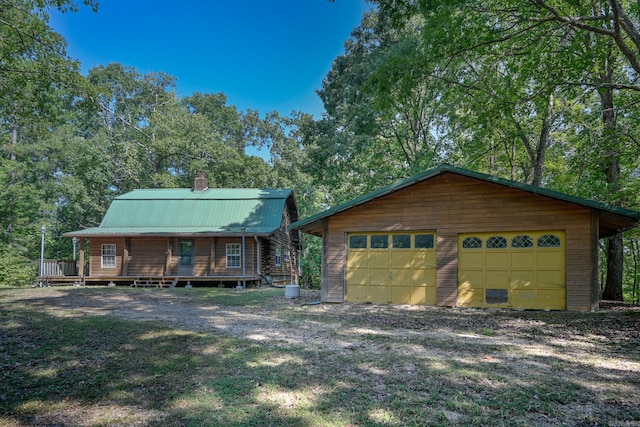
point(95, 257)
point(219, 266)
point(450, 204)
point(595, 284)
point(147, 257)
point(284, 238)
point(210, 256)
point(139, 257)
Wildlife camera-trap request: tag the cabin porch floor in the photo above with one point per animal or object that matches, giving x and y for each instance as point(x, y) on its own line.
point(152, 281)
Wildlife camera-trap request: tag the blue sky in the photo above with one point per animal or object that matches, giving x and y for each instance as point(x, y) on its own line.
point(263, 55)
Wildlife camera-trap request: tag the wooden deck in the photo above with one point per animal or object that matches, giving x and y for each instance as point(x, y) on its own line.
point(151, 281)
point(65, 273)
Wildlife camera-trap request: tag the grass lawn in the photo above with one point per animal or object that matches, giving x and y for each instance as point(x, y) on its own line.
point(213, 357)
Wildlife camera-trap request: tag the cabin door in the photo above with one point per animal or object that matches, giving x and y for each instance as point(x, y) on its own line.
point(185, 264)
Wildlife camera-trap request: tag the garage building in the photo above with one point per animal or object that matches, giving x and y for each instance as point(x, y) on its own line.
point(454, 237)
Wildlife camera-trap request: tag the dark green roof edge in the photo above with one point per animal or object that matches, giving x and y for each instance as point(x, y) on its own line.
point(472, 174)
point(208, 194)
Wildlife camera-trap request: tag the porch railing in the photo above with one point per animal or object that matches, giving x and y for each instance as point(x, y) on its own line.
point(59, 268)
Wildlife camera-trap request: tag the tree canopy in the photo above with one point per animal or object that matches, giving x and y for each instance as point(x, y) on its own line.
point(542, 91)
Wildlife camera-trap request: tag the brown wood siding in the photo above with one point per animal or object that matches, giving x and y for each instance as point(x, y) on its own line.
point(287, 240)
point(450, 204)
point(324, 268)
point(202, 254)
point(95, 260)
point(595, 283)
point(220, 266)
point(147, 257)
point(284, 271)
point(336, 257)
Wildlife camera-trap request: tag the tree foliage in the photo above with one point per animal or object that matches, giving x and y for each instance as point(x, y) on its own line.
point(542, 91)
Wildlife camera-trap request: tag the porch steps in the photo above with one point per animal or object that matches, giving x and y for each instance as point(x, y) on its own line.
point(158, 282)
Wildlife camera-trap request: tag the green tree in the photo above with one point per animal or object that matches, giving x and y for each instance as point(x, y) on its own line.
point(37, 85)
point(561, 51)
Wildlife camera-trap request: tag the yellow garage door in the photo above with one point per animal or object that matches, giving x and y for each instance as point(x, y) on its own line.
point(523, 270)
point(396, 268)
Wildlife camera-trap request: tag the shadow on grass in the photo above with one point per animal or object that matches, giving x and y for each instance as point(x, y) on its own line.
point(106, 371)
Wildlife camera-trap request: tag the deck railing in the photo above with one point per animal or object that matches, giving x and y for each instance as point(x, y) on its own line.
point(60, 268)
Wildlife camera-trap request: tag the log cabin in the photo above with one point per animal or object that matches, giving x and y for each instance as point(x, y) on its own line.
point(223, 236)
point(454, 237)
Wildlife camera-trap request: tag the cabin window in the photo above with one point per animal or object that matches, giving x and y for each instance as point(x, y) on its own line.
point(401, 241)
point(109, 255)
point(549, 241)
point(233, 255)
point(287, 256)
point(496, 242)
point(278, 256)
point(522, 241)
point(424, 241)
point(472, 243)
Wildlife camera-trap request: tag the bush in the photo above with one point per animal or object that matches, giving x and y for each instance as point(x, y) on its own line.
point(15, 269)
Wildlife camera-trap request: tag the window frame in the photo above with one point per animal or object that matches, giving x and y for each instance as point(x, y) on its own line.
point(107, 255)
point(490, 242)
point(549, 238)
point(357, 238)
point(432, 241)
point(378, 238)
point(231, 255)
point(522, 241)
point(474, 239)
point(278, 256)
point(404, 237)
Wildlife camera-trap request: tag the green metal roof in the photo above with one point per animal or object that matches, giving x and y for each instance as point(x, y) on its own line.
point(629, 218)
point(187, 212)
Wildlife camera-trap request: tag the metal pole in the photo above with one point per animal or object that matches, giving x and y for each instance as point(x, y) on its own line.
point(44, 230)
point(75, 242)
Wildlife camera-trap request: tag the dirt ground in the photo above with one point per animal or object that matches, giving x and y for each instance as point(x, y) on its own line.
point(613, 331)
point(601, 350)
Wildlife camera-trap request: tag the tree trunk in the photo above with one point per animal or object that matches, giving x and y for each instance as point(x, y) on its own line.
point(613, 285)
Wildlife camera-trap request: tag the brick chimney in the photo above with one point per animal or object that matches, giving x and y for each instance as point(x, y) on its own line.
point(200, 183)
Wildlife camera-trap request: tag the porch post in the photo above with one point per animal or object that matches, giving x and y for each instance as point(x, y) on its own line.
point(167, 263)
point(81, 259)
point(43, 230)
point(125, 258)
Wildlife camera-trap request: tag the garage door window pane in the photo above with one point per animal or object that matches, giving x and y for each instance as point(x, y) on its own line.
point(380, 241)
point(358, 242)
point(472, 243)
point(424, 241)
point(496, 242)
point(522, 241)
point(401, 241)
point(549, 241)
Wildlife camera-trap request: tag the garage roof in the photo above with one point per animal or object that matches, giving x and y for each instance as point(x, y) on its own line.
point(613, 219)
point(183, 211)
